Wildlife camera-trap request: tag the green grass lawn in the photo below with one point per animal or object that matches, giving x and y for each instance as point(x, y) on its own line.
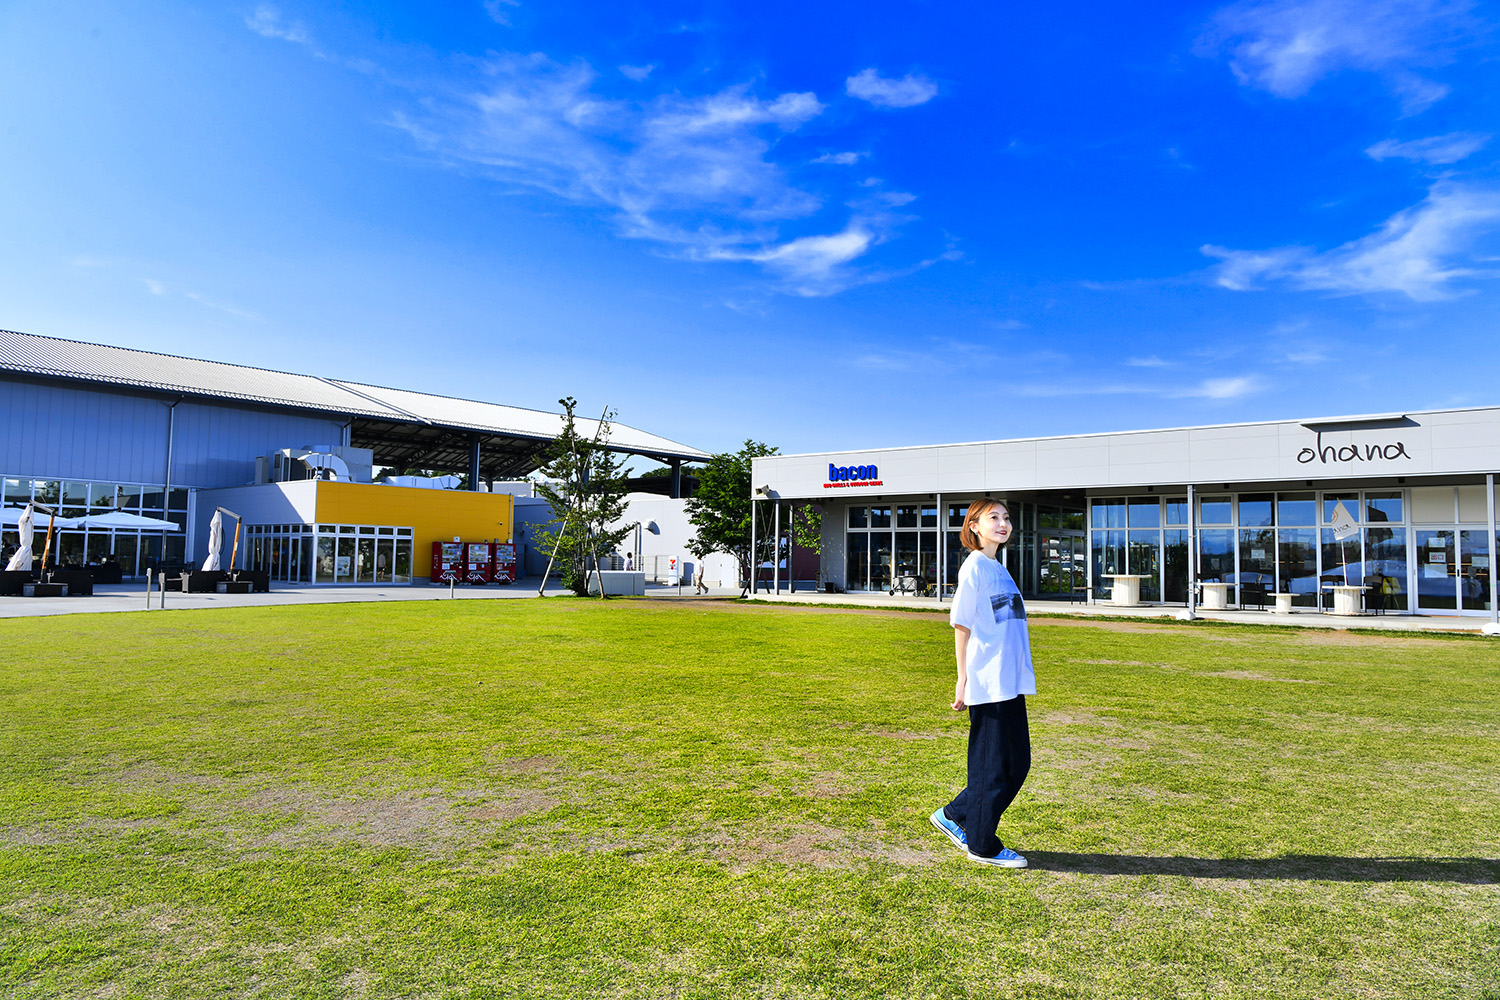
point(635, 799)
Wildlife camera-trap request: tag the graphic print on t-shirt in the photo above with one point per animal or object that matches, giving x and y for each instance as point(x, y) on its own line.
point(1008, 607)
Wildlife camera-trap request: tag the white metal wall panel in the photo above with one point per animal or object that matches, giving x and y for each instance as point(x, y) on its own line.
point(1455, 442)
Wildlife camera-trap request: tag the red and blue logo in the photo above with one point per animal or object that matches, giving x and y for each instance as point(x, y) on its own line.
point(851, 475)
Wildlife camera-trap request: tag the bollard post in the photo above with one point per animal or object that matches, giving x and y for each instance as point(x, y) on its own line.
point(452, 586)
point(148, 590)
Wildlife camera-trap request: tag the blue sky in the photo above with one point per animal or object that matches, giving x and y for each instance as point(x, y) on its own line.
point(824, 226)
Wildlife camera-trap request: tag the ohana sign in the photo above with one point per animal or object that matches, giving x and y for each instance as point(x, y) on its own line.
point(844, 476)
point(1325, 453)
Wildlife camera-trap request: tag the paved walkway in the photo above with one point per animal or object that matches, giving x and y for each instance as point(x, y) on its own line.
point(132, 597)
point(1303, 617)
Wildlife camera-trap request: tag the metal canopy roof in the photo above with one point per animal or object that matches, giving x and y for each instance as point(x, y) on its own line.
point(405, 429)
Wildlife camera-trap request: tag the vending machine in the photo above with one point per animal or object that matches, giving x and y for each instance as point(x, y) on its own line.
point(447, 562)
point(478, 558)
point(505, 563)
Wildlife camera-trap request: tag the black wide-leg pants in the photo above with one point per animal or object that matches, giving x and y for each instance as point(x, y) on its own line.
point(999, 758)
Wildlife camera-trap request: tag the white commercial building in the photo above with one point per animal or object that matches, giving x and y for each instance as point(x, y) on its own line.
point(1400, 504)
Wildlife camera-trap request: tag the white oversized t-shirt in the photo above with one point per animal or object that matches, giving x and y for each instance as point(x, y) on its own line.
point(988, 603)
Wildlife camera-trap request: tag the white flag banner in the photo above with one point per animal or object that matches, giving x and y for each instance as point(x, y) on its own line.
point(1343, 523)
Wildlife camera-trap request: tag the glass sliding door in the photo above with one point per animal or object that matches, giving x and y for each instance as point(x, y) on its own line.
point(857, 561)
point(1385, 555)
point(1474, 570)
point(1297, 565)
point(1436, 576)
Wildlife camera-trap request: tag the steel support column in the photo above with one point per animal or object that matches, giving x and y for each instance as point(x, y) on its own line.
point(474, 482)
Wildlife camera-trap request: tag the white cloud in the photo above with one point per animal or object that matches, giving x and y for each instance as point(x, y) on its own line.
point(1220, 388)
point(840, 159)
point(1148, 362)
point(1286, 46)
point(1448, 148)
point(638, 73)
point(907, 92)
point(266, 21)
point(1412, 253)
point(154, 287)
point(811, 265)
point(499, 10)
point(695, 174)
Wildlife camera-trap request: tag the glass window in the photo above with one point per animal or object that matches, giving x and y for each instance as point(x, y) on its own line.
point(151, 499)
point(857, 563)
point(1258, 557)
point(1383, 507)
point(1109, 557)
point(1216, 557)
point(1332, 500)
point(403, 561)
point(1048, 517)
point(1175, 555)
point(1474, 570)
point(17, 492)
point(1437, 573)
point(46, 491)
point(956, 514)
point(102, 496)
point(128, 498)
point(1177, 513)
point(880, 561)
point(906, 553)
point(1145, 512)
point(1297, 564)
point(1385, 555)
point(403, 532)
point(906, 517)
point(1256, 510)
point(1145, 548)
point(383, 531)
point(346, 529)
point(75, 494)
point(929, 515)
point(1107, 512)
point(325, 559)
point(1215, 510)
point(1072, 519)
point(179, 500)
point(880, 517)
point(859, 517)
point(1299, 509)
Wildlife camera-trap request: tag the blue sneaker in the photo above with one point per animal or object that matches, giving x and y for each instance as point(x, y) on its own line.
point(1005, 859)
point(951, 830)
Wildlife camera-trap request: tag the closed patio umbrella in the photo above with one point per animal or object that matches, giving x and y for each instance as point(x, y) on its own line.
point(21, 561)
point(215, 541)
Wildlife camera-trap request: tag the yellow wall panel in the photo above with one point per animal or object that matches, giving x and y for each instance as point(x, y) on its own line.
point(434, 515)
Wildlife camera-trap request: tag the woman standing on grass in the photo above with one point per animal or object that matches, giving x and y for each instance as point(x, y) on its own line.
point(993, 648)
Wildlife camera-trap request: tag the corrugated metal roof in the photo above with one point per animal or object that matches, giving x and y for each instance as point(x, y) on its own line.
point(512, 420)
point(120, 366)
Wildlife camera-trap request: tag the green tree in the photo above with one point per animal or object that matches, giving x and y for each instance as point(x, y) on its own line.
point(721, 509)
point(585, 487)
point(807, 533)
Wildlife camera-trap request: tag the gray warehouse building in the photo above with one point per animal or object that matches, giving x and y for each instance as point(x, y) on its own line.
point(91, 429)
point(1401, 504)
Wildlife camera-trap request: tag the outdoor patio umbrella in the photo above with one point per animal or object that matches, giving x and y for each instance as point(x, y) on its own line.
point(215, 541)
point(21, 561)
point(120, 520)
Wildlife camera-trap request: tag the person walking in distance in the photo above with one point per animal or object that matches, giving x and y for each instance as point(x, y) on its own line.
point(699, 585)
point(993, 649)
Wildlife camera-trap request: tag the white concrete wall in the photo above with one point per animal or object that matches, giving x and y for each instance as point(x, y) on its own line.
point(671, 518)
point(1426, 444)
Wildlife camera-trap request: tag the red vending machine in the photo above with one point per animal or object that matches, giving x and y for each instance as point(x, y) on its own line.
point(447, 562)
point(505, 563)
point(478, 558)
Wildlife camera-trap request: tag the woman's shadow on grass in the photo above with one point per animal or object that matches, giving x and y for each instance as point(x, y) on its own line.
point(1309, 867)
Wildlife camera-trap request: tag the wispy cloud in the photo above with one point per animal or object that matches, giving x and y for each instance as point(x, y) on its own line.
point(840, 159)
point(638, 73)
point(500, 10)
point(1413, 253)
point(695, 174)
point(159, 288)
point(1437, 149)
point(1286, 46)
point(1148, 362)
point(1217, 389)
point(266, 21)
point(907, 92)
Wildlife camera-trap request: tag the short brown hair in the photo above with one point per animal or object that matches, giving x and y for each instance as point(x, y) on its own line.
point(977, 509)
